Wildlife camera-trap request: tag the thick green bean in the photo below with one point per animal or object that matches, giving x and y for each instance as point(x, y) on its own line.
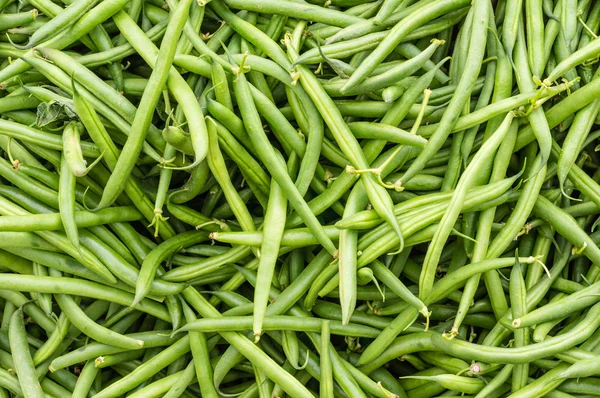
point(24, 366)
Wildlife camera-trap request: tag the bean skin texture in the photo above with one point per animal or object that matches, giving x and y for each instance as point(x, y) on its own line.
point(387, 198)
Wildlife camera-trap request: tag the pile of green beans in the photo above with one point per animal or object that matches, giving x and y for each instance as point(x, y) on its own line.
point(269, 198)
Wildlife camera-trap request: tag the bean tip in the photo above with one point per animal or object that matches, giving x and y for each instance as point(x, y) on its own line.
point(136, 300)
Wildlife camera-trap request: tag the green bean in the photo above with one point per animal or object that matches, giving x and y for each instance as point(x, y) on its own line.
point(581, 368)
point(444, 361)
point(386, 132)
point(277, 322)
point(259, 139)
point(18, 151)
point(161, 192)
point(484, 99)
point(556, 309)
point(23, 362)
point(368, 105)
point(257, 79)
point(366, 383)
point(289, 384)
point(537, 118)
point(66, 194)
point(83, 219)
point(290, 348)
point(192, 187)
point(455, 383)
point(387, 8)
point(392, 93)
point(187, 377)
point(45, 140)
point(535, 34)
point(326, 386)
point(157, 255)
point(54, 340)
point(93, 350)
point(343, 376)
point(60, 23)
point(25, 240)
point(146, 370)
point(10, 382)
point(232, 123)
point(497, 381)
point(221, 87)
point(15, 20)
point(569, 21)
point(465, 85)
point(518, 301)
point(574, 139)
point(248, 165)
point(567, 226)
point(99, 135)
point(53, 181)
point(192, 217)
point(46, 258)
point(295, 10)
point(227, 361)
point(102, 40)
point(284, 131)
point(273, 229)
point(483, 235)
point(78, 318)
point(343, 136)
point(449, 218)
point(123, 269)
point(142, 118)
point(341, 50)
point(440, 290)
point(56, 285)
point(218, 168)
point(383, 80)
point(74, 32)
point(44, 301)
point(206, 266)
point(177, 138)
point(348, 256)
point(85, 380)
point(255, 36)
point(299, 237)
point(262, 383)
point(485, 113)
point(522, 354)
point(72, 150)
point(87, 258)
point(111, 360)
point(389, 279)
point(414, 20)
point(200, 354)
point(510, 25)
point(517, 218)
